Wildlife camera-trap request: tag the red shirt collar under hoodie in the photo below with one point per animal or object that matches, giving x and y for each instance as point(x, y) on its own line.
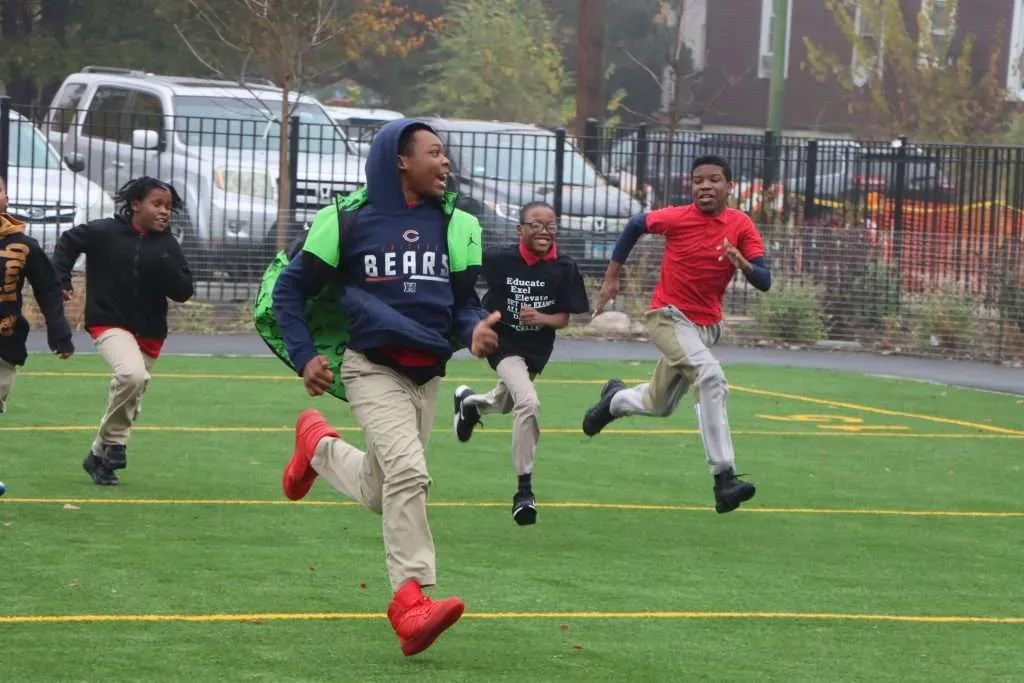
point(532, 259)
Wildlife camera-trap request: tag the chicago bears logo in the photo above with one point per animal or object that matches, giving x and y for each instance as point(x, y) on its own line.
point(411, 236)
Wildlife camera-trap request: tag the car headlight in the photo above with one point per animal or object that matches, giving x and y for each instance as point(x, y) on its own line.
point(503, 209)
point(104, 207)
point(245, 182)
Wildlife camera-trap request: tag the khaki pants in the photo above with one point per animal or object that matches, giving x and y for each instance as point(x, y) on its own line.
point(131, 377)
point(7, 375)
point(686, 361)
point(515, 394)
point(391, 478)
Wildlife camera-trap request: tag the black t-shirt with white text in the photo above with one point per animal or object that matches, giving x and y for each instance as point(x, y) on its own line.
point(550, 286)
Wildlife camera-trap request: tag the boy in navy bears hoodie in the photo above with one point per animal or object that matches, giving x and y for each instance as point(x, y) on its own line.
point(406, 267)
point(21, 258)
point(535, 289)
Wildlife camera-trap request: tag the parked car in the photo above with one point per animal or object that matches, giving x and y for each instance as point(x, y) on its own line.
point(498, 167)
point(47, 195)
point(924, 176)
point(666, 171)
point(217, 142)
point(360, 125)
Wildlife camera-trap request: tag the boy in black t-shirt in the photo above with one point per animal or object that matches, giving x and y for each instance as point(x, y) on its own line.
point(535, 289)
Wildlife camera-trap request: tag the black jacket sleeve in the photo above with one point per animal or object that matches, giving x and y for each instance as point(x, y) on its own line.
point(176, 275)
point(49, 294)
point(69, 247)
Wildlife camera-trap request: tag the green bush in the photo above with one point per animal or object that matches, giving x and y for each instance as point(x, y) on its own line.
point(791, 312)
point(1011, 301)
point(944, 319)
point(878, 295)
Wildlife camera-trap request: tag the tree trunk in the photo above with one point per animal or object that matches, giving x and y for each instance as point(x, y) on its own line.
point(284, 193)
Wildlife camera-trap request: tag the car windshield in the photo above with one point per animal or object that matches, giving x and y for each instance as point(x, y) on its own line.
point(252, 124)
point(29, 148)
point(518, 158)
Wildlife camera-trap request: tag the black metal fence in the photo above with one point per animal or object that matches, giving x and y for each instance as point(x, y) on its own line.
point(892, 244)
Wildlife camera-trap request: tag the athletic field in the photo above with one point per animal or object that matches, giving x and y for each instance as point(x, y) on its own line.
point(884, 544)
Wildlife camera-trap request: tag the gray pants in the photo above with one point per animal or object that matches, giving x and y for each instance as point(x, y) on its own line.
point(391, 477)
point(515, 394)
point(685, 361)
point(131, 374)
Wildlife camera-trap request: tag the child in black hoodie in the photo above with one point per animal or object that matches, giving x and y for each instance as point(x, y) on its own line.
point(21, 258)
point(133, 265)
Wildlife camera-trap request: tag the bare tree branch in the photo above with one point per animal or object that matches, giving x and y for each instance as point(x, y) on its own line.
point(195, 53)
point(650, 72)
point(727, 82)
point(209, 16)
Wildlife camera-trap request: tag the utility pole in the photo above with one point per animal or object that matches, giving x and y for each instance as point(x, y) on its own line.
point(777, 84)
point(590, 55)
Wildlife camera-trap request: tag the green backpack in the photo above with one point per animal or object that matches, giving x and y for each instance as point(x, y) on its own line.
point(327, 323)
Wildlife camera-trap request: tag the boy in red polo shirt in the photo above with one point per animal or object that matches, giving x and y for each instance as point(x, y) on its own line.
point(536, 289)
point(705, 244)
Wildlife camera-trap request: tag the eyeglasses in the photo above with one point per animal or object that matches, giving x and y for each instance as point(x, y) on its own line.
point(537, 227)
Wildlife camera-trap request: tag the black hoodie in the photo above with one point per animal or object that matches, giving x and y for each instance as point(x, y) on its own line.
point(129, 274)
point(21, 258)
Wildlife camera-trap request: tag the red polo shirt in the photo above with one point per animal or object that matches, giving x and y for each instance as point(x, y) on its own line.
point(693, 279)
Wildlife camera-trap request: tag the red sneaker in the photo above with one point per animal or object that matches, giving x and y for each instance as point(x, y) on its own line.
point(299, 474)
point(418, 620)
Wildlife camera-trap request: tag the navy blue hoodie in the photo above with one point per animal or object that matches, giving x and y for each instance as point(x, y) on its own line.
point(396, 283)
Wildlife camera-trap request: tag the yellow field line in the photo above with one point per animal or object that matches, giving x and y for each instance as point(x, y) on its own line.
point(880, 411)
point(547, 430)
point(609, 616)
point(737, 388)
point(565, 505)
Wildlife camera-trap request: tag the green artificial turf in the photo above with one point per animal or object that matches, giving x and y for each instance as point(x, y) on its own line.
point(865, 486)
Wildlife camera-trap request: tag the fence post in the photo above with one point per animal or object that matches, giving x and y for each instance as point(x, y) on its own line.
point(293, 169)
point(810, 195)
point(768, 173)
point(641, 160)
point(5, 137)
point(559, 170)
point(592, 142)
point(811, 180)
point(897, 213)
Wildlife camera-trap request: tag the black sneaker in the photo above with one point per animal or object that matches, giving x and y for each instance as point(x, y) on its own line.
point(600, 414)
point(115, 456)
point(524, 508)
point(730, 491)
point(466, 417)
point(101, 476)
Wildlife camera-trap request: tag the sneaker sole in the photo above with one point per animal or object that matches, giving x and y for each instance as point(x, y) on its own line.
point(114, 481)
point(525, 515)
point(297, 486)
point(728, 506)
point(608, 392)
point(456, 409)
point(445, 621)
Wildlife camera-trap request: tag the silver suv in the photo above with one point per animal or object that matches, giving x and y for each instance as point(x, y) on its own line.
point(217, 142)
